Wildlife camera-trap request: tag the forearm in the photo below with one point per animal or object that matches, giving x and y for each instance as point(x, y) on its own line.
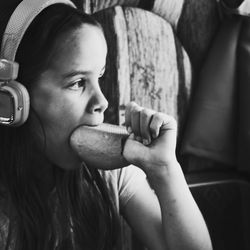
point(183, 224)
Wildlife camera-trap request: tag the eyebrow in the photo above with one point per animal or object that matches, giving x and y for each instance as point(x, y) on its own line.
point(74, 73)
point(79, 72)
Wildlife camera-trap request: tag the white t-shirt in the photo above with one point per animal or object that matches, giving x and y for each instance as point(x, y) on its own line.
point(122, 183)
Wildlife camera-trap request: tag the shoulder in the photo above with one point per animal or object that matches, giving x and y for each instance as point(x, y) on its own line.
point(124, 183)
point(123, 177)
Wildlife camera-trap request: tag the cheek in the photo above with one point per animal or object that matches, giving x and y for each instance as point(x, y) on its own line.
point(56, 110)
point(59, 116)
point(59, 119)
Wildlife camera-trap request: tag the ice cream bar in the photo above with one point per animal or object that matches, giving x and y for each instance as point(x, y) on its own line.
point(100, 146)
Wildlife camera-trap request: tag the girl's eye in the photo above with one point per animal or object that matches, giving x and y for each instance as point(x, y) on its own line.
point(79, 84)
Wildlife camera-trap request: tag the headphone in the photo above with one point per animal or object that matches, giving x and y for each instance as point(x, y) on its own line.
point(14, 97)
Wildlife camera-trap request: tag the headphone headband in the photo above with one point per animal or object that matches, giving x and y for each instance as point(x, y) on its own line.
point(19, 21)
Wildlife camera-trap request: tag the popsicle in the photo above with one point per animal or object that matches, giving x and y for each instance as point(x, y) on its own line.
point(100, 146)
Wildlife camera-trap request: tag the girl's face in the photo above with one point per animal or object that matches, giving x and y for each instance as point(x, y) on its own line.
point(68, 93)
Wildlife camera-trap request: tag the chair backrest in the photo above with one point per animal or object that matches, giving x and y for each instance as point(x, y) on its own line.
point(144, 62)
point(155, 51)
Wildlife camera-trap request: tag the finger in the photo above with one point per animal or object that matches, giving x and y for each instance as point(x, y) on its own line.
point(128, 116)
point(135, 121)
point(145, 120)
point(155, 125)
point(169, 123)
point(128, 111)
point(132, 119)
point(160, 122)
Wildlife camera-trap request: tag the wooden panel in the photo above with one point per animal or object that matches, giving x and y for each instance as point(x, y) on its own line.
point(145, 63)
point(96, 5)
point(123, 76)
point(170, 10)
point(196, 21)
point(153, 64)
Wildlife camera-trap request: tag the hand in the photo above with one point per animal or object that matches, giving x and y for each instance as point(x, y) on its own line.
point(152, 141)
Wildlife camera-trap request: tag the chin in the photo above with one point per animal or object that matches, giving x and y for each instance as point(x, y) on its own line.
point(67, 163)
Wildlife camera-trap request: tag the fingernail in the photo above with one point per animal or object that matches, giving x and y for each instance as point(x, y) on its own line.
point(132, 136)
point(154, 135)
point(145, 142)
point(129, 129)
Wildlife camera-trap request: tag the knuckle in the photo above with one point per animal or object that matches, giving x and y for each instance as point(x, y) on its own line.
point(129, 107)
point(157, 117)
point(132, 103)
point(135, 108)
point(134, 111)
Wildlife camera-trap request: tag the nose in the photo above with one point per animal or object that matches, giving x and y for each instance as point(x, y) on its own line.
point(98, 103)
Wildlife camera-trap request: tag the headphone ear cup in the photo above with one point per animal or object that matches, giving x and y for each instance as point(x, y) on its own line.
point(15, 104)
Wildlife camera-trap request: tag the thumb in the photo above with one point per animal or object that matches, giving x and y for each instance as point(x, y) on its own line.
point(134, 151)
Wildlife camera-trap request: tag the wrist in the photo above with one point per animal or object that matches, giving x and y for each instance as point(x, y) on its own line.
point(164, 175)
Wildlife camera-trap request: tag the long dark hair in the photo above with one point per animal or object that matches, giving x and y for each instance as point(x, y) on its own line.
point(89, 216)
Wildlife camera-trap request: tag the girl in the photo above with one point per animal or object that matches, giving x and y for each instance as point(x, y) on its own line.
point(49, 198)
